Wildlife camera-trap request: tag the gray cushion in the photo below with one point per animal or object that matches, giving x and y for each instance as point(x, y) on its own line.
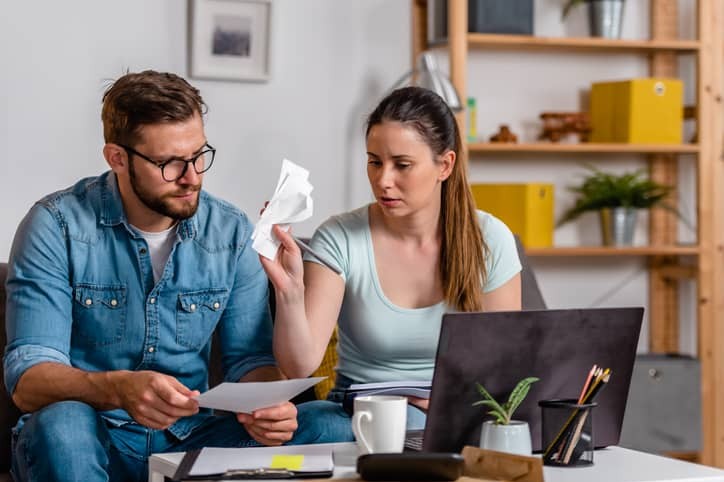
point(532, 298)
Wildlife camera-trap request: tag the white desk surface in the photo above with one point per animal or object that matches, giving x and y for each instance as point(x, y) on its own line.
point(614, 464)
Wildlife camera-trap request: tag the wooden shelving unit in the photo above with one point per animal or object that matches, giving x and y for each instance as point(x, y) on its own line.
point(584, 147)
point(664, 255)
point(596, 251)
point(587, 44)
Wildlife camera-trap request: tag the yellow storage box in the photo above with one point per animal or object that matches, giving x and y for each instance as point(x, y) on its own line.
point(638, 111)
point(527, 209)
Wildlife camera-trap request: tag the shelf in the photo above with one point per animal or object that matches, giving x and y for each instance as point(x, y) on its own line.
point(612, 251)
point(527, 42)
point(586, 147)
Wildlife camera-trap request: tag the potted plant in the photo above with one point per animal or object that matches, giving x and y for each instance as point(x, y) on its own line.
point(604, 16)
point(616, 198)
point(503, 433)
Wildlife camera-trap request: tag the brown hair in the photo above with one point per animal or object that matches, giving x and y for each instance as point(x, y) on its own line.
point(463, 250)
point(148, 97)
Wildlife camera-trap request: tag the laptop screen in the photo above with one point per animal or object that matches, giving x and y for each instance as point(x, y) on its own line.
point(497, 349)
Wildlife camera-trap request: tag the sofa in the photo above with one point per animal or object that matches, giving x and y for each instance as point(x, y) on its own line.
point(9, 413)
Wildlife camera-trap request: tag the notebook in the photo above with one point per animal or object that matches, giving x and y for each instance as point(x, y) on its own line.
point(498, 349)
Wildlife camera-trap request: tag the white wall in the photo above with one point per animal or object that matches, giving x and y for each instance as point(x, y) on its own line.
point(331, 61)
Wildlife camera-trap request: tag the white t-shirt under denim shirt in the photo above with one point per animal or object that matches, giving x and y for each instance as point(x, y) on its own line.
point(379, 341)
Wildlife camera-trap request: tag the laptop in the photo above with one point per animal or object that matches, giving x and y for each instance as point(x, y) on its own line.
point(498, 349)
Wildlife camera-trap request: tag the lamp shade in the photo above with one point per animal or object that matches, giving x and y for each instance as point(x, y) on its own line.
point(429, 76)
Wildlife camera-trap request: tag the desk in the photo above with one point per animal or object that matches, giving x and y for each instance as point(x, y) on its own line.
point(614, 464)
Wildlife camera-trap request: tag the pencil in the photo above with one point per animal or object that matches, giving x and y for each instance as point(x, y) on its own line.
point(588, 381)
point(305, 247)
point(602, 378)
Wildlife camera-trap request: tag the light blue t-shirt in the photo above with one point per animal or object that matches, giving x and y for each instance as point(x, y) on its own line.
point(379, 341)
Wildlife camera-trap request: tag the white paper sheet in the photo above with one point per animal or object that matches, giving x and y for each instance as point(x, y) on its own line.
point(249, 396)
point(291, 203)
point(317, 458)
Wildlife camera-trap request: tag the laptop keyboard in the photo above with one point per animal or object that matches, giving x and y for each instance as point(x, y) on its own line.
point(413, 440)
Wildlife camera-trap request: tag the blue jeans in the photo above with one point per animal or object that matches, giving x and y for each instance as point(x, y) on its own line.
point(70, 441)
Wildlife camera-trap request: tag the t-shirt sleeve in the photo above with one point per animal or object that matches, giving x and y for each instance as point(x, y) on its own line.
point(502, 261)
point(331, 241)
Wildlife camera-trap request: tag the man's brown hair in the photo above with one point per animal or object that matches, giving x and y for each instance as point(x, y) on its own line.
point(144, 98)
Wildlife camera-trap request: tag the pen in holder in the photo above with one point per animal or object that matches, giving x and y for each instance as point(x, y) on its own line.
point(567, 432)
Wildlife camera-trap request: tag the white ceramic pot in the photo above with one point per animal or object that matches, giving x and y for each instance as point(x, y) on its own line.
point(513, 438)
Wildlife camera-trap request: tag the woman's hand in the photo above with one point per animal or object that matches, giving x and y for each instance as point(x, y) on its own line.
point(286, 272)
point(421, 403)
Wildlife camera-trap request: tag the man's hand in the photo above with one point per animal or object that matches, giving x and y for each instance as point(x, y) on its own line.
point(272, 425)
point(155, 400)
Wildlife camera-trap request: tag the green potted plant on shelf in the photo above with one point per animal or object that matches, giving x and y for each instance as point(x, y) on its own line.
point(604, 16)
point(503, 433)
point(616, 197)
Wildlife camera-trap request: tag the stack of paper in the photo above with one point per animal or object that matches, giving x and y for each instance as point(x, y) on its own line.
point(291, 203)
point(420, 389)
point(246, 397)
point(300, 458)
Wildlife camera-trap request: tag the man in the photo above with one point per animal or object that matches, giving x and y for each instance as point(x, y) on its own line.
point(115, 287)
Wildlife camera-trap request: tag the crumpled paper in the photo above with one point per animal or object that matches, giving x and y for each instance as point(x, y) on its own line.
point(291, 203)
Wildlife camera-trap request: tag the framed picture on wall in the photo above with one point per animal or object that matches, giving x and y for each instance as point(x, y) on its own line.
point(230, 39)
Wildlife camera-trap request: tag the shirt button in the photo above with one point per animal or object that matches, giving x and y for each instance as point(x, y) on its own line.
point(152, 301)
point(142, 250)
point(150, 349)
point(88, 301)
point(192, 307)
point(216, 305)
point(114, 302)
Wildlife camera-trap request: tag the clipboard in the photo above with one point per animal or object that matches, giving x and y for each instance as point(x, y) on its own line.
point(183, 472)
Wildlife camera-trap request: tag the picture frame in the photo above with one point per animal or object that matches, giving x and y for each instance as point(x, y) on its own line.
point(230, 40)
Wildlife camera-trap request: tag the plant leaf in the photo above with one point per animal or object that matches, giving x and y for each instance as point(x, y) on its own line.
point(601, 190)
point(567, 8)
point(499, 417)
point(518, 395)
point(489, 401)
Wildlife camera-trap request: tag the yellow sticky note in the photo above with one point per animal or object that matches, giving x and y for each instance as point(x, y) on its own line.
point(289, 462)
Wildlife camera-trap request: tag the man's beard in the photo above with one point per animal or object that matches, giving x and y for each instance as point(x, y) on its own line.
point(162, 204)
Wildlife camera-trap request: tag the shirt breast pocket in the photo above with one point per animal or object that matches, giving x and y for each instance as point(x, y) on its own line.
point(197, 314)
point(99, 313)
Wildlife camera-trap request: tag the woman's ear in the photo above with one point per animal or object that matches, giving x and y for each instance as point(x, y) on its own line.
point(446, 162)
point(116, 157)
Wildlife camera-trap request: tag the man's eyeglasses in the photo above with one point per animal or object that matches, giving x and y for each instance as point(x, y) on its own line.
point(174, 169)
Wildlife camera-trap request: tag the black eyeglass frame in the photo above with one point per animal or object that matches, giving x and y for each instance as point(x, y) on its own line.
point(162, 165)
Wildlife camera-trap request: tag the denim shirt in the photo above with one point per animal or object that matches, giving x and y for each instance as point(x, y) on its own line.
point(80, 292)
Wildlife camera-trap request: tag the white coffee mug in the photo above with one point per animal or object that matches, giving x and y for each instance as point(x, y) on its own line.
point(379, 423)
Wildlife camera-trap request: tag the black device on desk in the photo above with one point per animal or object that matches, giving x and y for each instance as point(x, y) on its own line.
point(497, 349)
point(410, 466)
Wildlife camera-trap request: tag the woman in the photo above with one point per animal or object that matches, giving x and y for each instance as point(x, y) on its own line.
point(421, 249)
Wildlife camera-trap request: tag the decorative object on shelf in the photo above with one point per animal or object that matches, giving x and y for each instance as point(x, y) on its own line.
point(604, 16)
point(616, 198)
point(639, 111)
point(504, 134)
point(472, 120)
point(526, 208)
point(230, 40)
point(428, 75)
point(558, 124)
point(484, 16)
point(505, 434)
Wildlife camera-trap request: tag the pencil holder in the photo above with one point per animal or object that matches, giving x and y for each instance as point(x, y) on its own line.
point(567, 432)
